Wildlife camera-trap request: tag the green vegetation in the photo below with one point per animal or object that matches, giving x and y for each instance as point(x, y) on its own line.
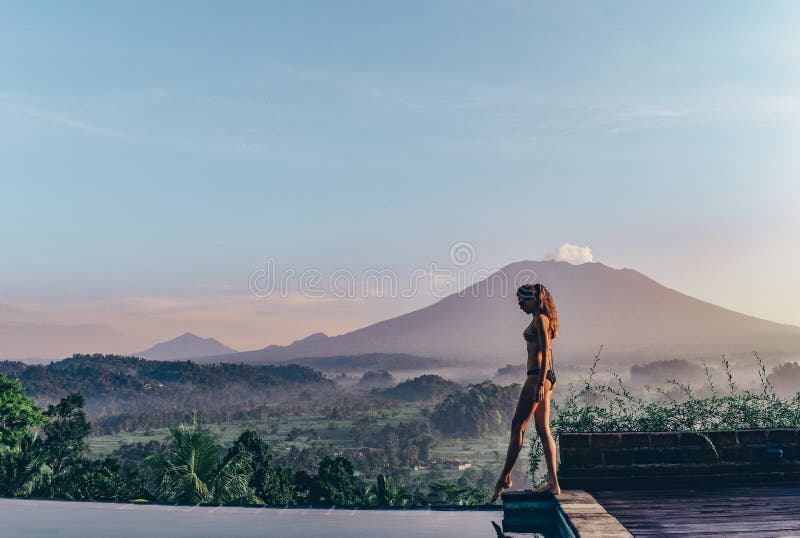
point(190, 466)
point(392, 446)
point(383, 493)
point(482, 409)
point(126, 393)
point(17, 412)
point(425, 388)
point(385, 442)
point(380, 379)
point(302, 439)
point(677, 408)
point(785, 378)
point(609, 408)
point(189, 469)
point(54, 465)
point(268, 482)
point(101, 375)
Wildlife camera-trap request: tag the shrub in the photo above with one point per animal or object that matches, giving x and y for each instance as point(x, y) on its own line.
point(614, 408)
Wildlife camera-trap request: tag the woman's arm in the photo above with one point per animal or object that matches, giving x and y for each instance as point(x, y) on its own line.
point(543, 355)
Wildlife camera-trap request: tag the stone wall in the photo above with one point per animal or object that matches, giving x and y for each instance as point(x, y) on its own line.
point(629, 458)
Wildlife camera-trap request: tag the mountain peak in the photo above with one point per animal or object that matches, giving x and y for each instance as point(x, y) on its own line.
point(314, 337)
point(632, 315)
point(185, 346)
point(189, 336)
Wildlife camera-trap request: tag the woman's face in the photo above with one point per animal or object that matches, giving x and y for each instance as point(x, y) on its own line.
point(526, 304)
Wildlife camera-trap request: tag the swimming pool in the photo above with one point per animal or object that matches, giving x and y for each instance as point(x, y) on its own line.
point(86, 519)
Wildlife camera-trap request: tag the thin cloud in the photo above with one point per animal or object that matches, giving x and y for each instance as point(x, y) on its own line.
point(780, 106)
point(56, 119)
point(228, 145)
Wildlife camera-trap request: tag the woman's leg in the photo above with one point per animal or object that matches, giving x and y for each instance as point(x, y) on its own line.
point(541, 418)
point(525, 408)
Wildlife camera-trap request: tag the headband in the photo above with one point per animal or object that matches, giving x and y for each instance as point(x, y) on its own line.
point(526, 291)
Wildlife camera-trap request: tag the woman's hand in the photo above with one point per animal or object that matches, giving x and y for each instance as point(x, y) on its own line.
point(538, 396)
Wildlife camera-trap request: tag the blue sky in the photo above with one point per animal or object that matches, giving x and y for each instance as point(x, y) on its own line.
point(156, 154)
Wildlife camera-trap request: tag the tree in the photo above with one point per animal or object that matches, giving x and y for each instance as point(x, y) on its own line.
point(442, 493)
point(141, 456)
point(189, 468)
point(100, 480)
point(428, 387)
point(382, 493)
point(66, 432)
point(335, 483)
point(232, 482)
point(483, 409)
point(56, 466)
point(22, 467)
point(18, 413)
point(272, 483)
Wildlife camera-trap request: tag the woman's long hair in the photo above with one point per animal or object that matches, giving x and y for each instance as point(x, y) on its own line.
point(545, 303)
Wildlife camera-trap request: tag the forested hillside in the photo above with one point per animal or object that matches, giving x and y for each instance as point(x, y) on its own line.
point(129, 392)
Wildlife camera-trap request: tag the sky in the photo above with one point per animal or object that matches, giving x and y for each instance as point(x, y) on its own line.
point(155, 156)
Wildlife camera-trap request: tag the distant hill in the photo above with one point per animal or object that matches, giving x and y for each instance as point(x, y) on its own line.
point(380, 379)
point(124, 393)
point(659, 372)
point(130, 377)
point(185, 346)
point(423, 388)
point(786, 378)
point(635, 317)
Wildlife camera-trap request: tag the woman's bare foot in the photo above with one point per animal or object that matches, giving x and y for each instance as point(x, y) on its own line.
point(503, 483)
point(549, 488)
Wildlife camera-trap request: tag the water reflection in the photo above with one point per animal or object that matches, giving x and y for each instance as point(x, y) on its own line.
point(500, 534)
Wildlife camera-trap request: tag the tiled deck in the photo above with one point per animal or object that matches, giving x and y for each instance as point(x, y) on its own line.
point(762, 511)
point(588, 517)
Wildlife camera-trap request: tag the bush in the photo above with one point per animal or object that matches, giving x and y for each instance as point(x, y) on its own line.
point(614, 408)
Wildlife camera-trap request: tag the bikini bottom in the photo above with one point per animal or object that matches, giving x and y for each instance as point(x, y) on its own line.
point(551, 375)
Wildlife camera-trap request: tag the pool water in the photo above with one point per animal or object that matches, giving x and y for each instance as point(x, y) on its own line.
point(61, 518)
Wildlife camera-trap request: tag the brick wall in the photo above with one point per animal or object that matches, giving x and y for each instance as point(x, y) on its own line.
point(609, 459)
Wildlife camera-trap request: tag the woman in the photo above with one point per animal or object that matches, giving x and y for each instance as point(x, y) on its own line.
point(535, 397)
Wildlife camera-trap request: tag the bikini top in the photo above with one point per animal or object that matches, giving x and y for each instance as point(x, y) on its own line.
point(529, 334)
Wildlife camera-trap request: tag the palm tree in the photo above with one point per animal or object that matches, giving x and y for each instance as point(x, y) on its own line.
point(249, 474)
point(232, 485)
point(189, 468)
point(382, 494)
point(23, 470)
